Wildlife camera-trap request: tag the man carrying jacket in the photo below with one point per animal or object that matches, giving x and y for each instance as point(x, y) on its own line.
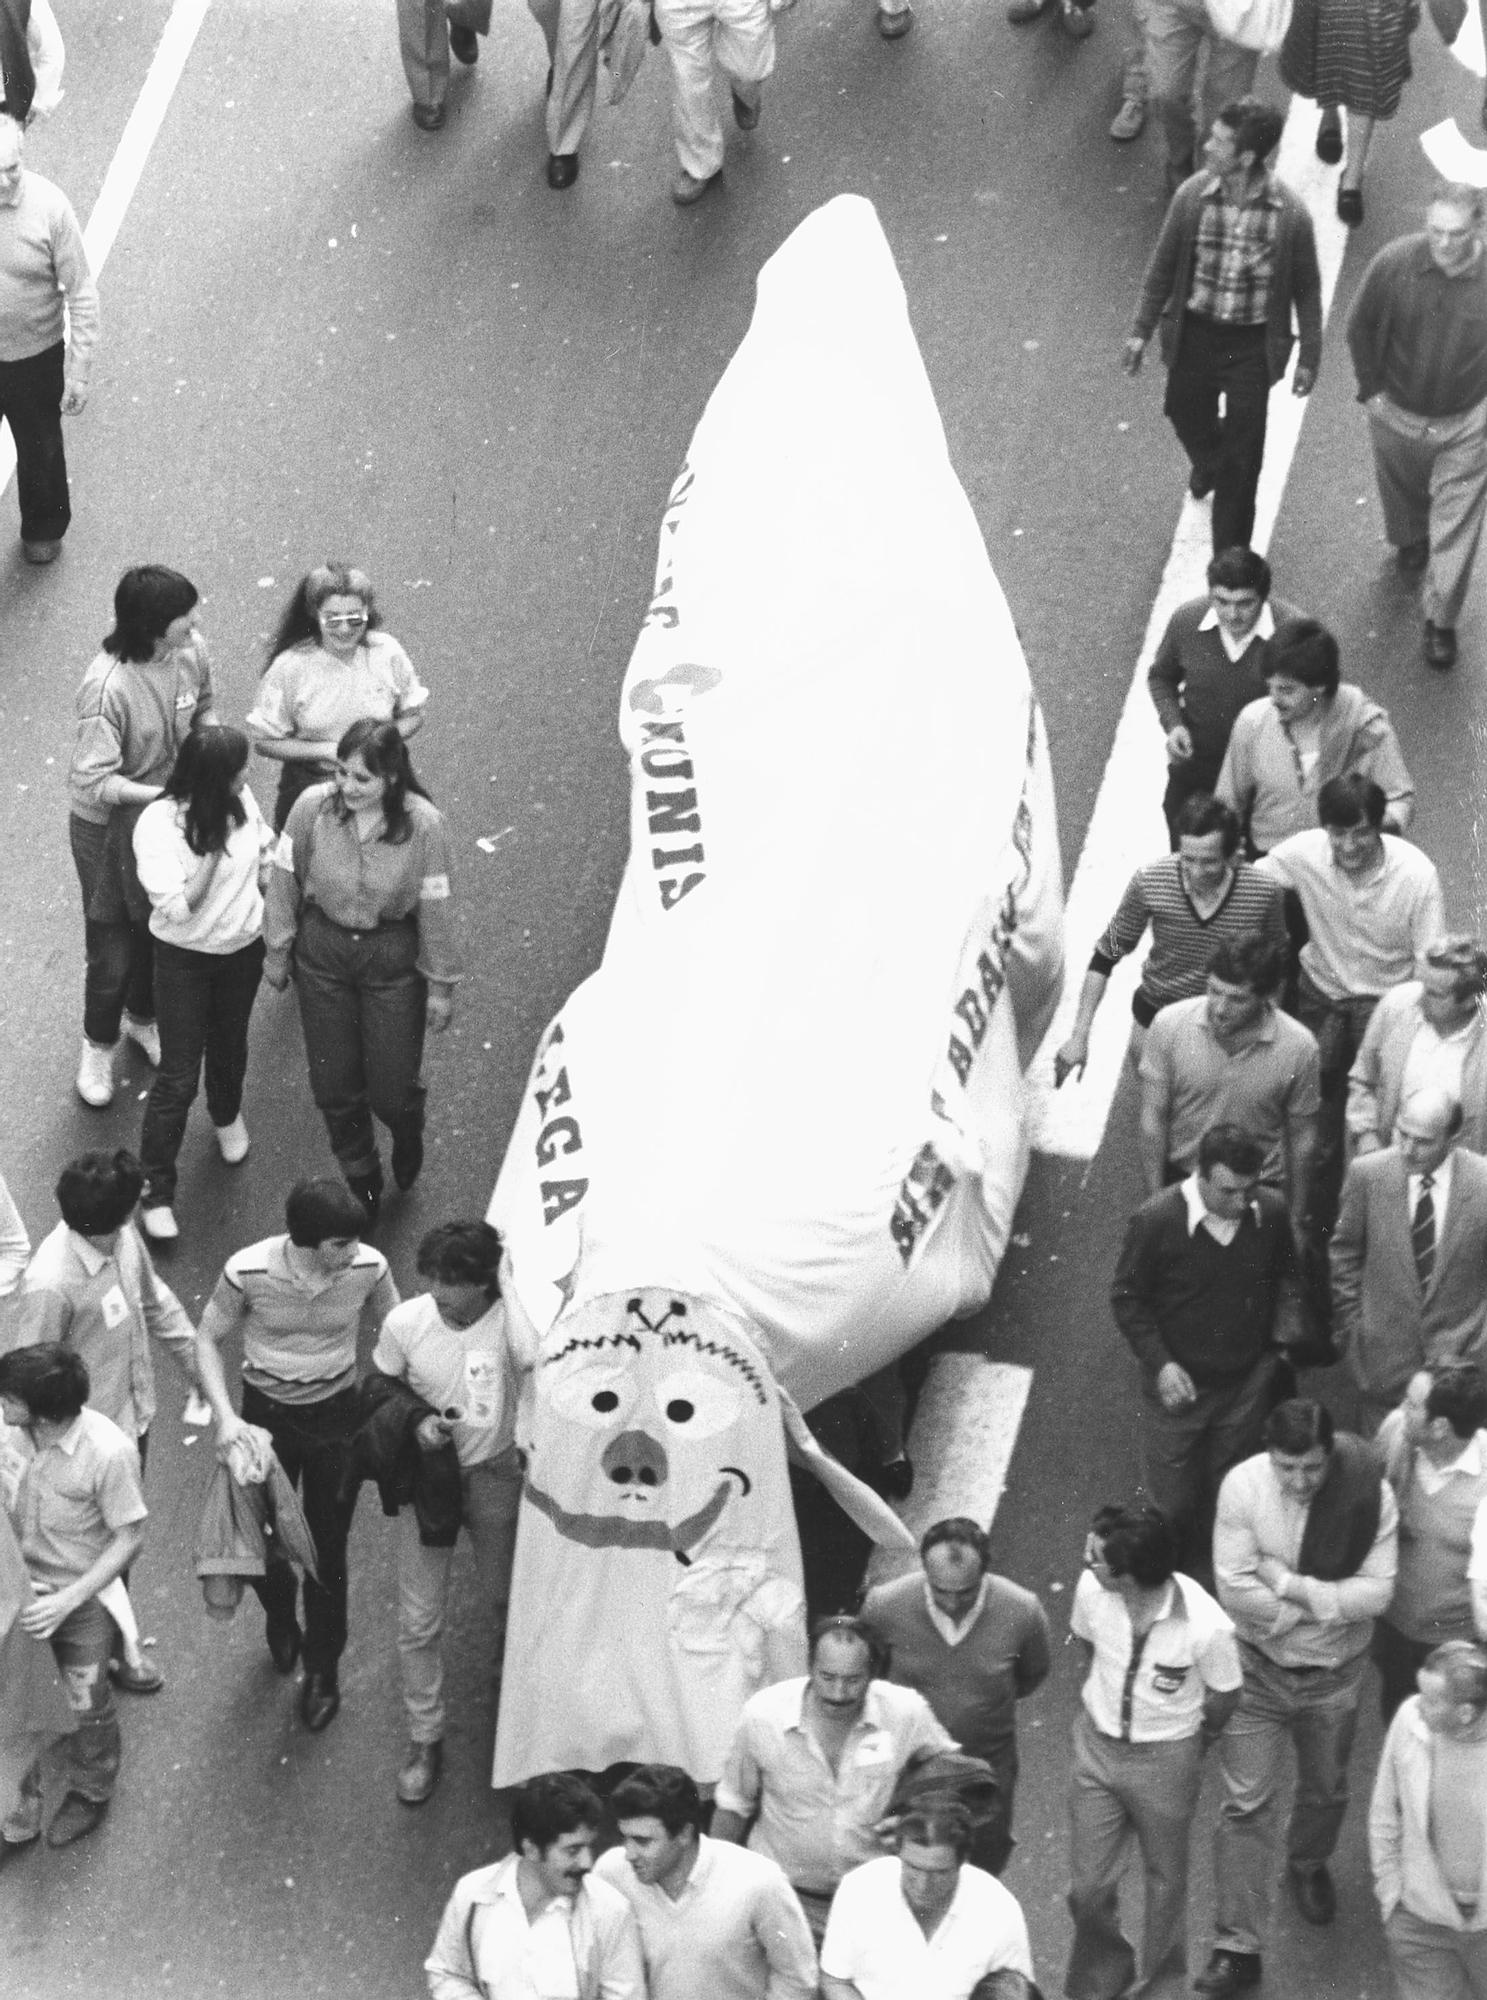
point(1235, 262)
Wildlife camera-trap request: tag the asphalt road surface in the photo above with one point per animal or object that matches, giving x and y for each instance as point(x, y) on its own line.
point(327, 333)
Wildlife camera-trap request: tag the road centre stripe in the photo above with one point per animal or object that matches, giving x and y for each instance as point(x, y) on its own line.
point(964, 1433)
point(130, 155)
point(1126, 827)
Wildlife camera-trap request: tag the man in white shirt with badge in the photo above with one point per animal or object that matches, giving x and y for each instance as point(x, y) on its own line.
point(1163, 1680)
point(449, 1347)
point(922, 1922)
point(539, 1925)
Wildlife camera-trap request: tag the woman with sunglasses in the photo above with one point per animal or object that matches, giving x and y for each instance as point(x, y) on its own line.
point(202, 852)
point(329, 665)
point(359, 913)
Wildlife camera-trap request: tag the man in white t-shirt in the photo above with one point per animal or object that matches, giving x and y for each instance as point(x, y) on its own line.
point(449, 1347)
point(922, 1922)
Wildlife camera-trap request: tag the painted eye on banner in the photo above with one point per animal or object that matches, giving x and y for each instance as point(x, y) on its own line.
point(596, 1397)
point(696, 1404)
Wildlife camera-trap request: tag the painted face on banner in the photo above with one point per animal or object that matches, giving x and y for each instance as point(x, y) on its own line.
point(653, 1418)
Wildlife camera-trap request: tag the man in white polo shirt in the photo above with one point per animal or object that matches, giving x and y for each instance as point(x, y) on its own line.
point(714, 1919)
point(922, 1922)
point(449, 1347)
point(1163, 1680)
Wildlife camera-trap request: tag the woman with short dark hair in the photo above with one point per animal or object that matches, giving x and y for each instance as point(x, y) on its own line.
point(359, 913)
point(150, 685)
point(202, 851)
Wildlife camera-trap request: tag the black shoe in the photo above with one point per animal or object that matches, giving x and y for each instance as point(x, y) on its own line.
point(1312, 1892)
point(464, 44)
point(368, 1191)
point(407, 1159)
point(1350, 206)
point(428, 117)
point(1440, 645)
point(319, 1702)
point(76, 1817)
point(745, 116)
point(1329, 141)
point(1229, 1972)
point(895, 1480)
point(1201, 482)
point(562, 169)
point(548, 91)
point(283, 1646)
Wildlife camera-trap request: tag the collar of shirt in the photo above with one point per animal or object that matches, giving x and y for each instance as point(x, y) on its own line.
point(1440, 1189)
point(88, 1254)
point(1265, 1030)
point(1219, 1226)
point(70, 1439)
point(1263, 628)
point(870, 1718)
point(951, 1632)
point(504, 1886)
point(307, 1281)
point(1468, 1462)
point(1262, 190)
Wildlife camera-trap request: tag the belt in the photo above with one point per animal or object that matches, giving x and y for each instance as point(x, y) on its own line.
point(1280, 1666)
point(362, 930)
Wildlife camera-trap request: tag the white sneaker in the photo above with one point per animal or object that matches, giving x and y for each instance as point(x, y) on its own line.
point(95, 1075)
point(145, 1036)
point(232, 1141)
point(159, 1224)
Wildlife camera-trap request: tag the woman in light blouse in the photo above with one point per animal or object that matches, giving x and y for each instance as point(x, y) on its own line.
point(330, 664)
point(359, 913)
point(202, 852)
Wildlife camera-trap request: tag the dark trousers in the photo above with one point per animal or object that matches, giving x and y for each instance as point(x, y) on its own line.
point(1398, 1659)
point(1339, 1027)
point(121, 956)
point(1185, 1454)
point(203, 1000)
point(310, 1444)
point(31, 402)
point(1182, 781)
point(361, 1000)
point(1216, 361)
point(992, 1843)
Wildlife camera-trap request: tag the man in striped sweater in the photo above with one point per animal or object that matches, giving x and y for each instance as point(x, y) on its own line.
point(1192, 900)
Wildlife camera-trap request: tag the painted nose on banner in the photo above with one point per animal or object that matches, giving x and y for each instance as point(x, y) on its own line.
point(635, 1459)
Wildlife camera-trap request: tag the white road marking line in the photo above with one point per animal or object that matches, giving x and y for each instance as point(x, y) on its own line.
point(964, 1434)
point(1126, 827)
point(133, 149)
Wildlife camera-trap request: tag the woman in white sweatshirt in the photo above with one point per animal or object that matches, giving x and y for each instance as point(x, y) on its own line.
point(202, 851)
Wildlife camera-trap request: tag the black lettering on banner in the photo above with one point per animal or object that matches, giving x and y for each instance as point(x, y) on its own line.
point(559, 1196)
point(673, 812)
point(672, 891)
point(663, 732)
point(975, 1016)
point(922, 1195)
point(547, 1090)
point(665, 764)
point(960, 1057)
point(557, 1092)
point(673, 857)
point(547, 1139)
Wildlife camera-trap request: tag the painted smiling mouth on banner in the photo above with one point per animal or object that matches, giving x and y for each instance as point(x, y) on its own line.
point(613, 1531)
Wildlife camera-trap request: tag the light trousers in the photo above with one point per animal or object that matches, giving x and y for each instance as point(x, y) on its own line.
point(737, 36)
point(1177, 33)
point(1318, 1713)
point(1431, 1962)
point(492, 1494)
point(1432, 477)
point(1125, 1795)
point(575, 72)
point(423, 43)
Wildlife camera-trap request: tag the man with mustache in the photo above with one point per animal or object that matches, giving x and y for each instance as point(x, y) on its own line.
point(814, 1762)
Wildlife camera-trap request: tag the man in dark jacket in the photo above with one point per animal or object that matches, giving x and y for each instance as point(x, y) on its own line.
point(1235, 263)
point(1196, 1293)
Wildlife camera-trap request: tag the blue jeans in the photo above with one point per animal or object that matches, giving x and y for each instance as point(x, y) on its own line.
point(89, 1758)
point(1231, 362)
point(31, 401)
point(121, 956)
point(361, 1002)
point(203, 1000)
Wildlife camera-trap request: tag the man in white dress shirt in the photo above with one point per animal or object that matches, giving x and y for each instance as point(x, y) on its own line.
point(922, 1922)
point(715, 1919)
point(537, 1926)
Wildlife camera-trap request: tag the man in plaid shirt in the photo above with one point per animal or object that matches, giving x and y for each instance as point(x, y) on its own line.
point(1234, 267)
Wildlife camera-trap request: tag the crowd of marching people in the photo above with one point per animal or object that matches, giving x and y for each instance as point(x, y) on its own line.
point(1309, 1046)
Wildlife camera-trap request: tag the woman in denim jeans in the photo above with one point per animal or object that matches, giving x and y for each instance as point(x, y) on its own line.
point(202, 851)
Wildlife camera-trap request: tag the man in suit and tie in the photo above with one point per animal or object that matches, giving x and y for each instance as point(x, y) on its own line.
point(1409, 1255)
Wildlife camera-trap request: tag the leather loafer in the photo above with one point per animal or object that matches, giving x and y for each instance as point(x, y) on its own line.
point(368, 1191)
point(1350, 206)
point(562, 169)
point(893, 27)
point(283, 1646)
point(1413, 557)
point(429, 117)
point(1200, 482)
point(1229, 1972)
point(464, 44)
point(1020, 12)
point(319, 1702)
point(146, 1678)
point(745, 115)
point(686, 188)
point(1329, 141)
point(76, 1816)
point(420, 1772)
point(1440, 645)
point(1313, 1893)
point(407, 1159)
